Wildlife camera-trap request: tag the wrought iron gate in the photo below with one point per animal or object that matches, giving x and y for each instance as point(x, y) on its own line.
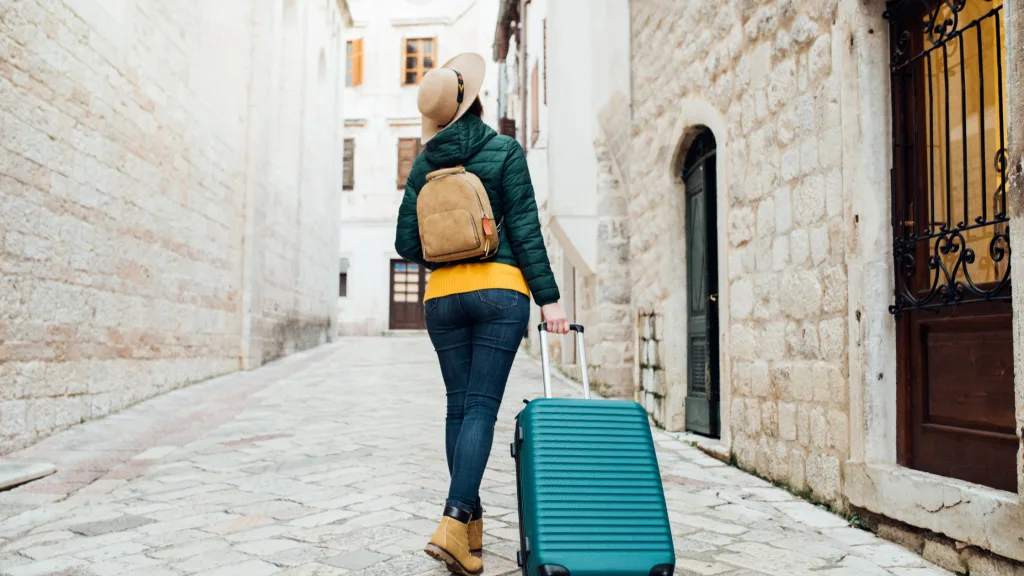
point(949, 154)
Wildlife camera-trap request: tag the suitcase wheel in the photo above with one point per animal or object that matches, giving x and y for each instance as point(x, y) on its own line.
point(519, 559)
point(663, 570)
point(552, 571)
point(512, 448)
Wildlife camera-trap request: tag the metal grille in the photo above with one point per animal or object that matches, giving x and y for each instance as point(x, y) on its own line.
point(698, 367)
point(951, 240)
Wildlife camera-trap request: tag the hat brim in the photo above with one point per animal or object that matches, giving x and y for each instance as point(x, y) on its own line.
point(473, 69)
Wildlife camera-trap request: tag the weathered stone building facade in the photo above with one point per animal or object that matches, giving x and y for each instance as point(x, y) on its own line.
point(168, 197)
point(818, 383)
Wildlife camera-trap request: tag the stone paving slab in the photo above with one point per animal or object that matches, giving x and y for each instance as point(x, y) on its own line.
point(331, 463)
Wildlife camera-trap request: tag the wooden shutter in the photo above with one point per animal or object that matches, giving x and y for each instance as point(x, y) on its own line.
point(408, 149)
point(507, 127)
point(349, 161)
point(535, 102)
point(354, 62)
point(357, 62)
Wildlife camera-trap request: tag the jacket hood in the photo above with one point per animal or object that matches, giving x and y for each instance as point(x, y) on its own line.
point(459, 142)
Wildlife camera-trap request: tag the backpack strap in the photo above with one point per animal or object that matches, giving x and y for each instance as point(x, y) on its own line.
point(445, 172)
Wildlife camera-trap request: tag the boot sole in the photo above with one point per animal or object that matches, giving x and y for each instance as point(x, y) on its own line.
point(453, 565)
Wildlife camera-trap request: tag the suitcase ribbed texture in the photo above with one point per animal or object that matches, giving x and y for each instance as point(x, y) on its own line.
point(591, 489)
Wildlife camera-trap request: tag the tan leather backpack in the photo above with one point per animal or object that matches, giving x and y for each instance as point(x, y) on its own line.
point(455, 217)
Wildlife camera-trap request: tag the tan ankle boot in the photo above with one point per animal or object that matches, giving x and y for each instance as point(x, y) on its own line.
point(476, 537)
point(450, 544)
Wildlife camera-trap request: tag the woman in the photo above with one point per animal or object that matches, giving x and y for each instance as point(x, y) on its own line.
point(476, 312)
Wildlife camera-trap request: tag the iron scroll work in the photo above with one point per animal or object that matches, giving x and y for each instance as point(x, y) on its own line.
point(926, 35)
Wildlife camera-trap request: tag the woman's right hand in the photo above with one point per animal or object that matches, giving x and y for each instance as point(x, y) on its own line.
point(555, 318)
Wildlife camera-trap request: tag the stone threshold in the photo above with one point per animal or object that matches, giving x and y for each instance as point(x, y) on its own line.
point(403, 333)
point(711, 446)
point(969, 514)
point(15, 473)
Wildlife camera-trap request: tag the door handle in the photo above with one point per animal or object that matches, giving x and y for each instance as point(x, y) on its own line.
point(713, 297)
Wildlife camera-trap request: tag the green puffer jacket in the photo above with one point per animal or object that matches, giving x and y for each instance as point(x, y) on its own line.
point(500, 164)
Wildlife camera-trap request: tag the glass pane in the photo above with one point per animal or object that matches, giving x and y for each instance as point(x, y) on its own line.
point(961, 116)
point(428, 46)
point(414, 267)
point(411, 78)
point(399, 266)
point(411, 63)
point(348, 50)
point(428, 61)
point(348, 78)
point(411, 47)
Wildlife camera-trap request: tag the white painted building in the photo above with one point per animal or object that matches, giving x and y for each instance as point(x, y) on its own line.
point(567, 88)
point(390, 45)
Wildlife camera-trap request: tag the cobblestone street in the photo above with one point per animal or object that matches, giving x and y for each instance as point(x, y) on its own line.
point(330, 462)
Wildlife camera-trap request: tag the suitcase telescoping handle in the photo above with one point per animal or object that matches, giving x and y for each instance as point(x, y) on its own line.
point(545, 362)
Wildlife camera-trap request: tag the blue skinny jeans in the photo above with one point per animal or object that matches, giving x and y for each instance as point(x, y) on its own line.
point(476, 335)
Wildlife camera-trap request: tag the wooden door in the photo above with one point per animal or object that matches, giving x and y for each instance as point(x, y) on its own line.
point(951, 243)
point(408, 283)
point(702, 412)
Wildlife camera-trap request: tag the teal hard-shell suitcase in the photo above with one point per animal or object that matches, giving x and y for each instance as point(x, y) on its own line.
point(591, 502)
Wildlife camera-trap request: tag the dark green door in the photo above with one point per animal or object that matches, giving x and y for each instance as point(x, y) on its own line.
point(702, 287)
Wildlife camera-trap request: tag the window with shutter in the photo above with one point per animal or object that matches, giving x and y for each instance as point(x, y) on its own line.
point(535, 102)
point(419, 56)
point(349, 161)
point(408, 149)
point(354, 62)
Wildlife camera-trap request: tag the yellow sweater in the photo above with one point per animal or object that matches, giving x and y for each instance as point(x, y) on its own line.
point(476, 276)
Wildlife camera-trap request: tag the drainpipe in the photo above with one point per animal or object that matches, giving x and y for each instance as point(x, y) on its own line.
point(523, 72)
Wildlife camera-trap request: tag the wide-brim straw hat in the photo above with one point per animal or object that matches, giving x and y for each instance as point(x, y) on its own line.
point(446, 93)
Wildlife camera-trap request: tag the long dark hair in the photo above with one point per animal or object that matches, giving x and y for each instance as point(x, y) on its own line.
point(476, 108)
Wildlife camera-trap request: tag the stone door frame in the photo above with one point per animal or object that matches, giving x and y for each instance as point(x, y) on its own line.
point(694, 115)
point(872, 478)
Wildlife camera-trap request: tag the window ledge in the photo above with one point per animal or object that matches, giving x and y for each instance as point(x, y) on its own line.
point(974, 514)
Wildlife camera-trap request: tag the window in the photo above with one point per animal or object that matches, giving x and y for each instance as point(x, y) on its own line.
point(408, 150)
point(354, 63)
point(507, 127)
point(951, 242)
point(343, 285)
point(420, 56)
point(349, 161)
point(535, 103)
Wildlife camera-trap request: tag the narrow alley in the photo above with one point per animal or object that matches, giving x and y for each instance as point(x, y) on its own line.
point(329, 462)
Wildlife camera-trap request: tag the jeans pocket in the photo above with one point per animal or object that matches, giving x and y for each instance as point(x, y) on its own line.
point(499, 298)
point(429, 306)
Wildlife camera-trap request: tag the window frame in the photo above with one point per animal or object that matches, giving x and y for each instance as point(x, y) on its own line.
point(419, 70)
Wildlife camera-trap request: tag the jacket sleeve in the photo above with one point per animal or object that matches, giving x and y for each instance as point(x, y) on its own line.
point(407, 231)
point(522, 226)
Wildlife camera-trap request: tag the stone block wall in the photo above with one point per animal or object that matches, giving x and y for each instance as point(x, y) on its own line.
point(164, 218)
point(760, 75)
point(651, 373)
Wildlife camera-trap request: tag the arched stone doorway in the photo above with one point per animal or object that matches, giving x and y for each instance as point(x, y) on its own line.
point(702, 393)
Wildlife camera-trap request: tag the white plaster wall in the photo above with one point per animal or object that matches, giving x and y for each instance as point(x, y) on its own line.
point(578, 89)
point(377, 114)
point(368, 248)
